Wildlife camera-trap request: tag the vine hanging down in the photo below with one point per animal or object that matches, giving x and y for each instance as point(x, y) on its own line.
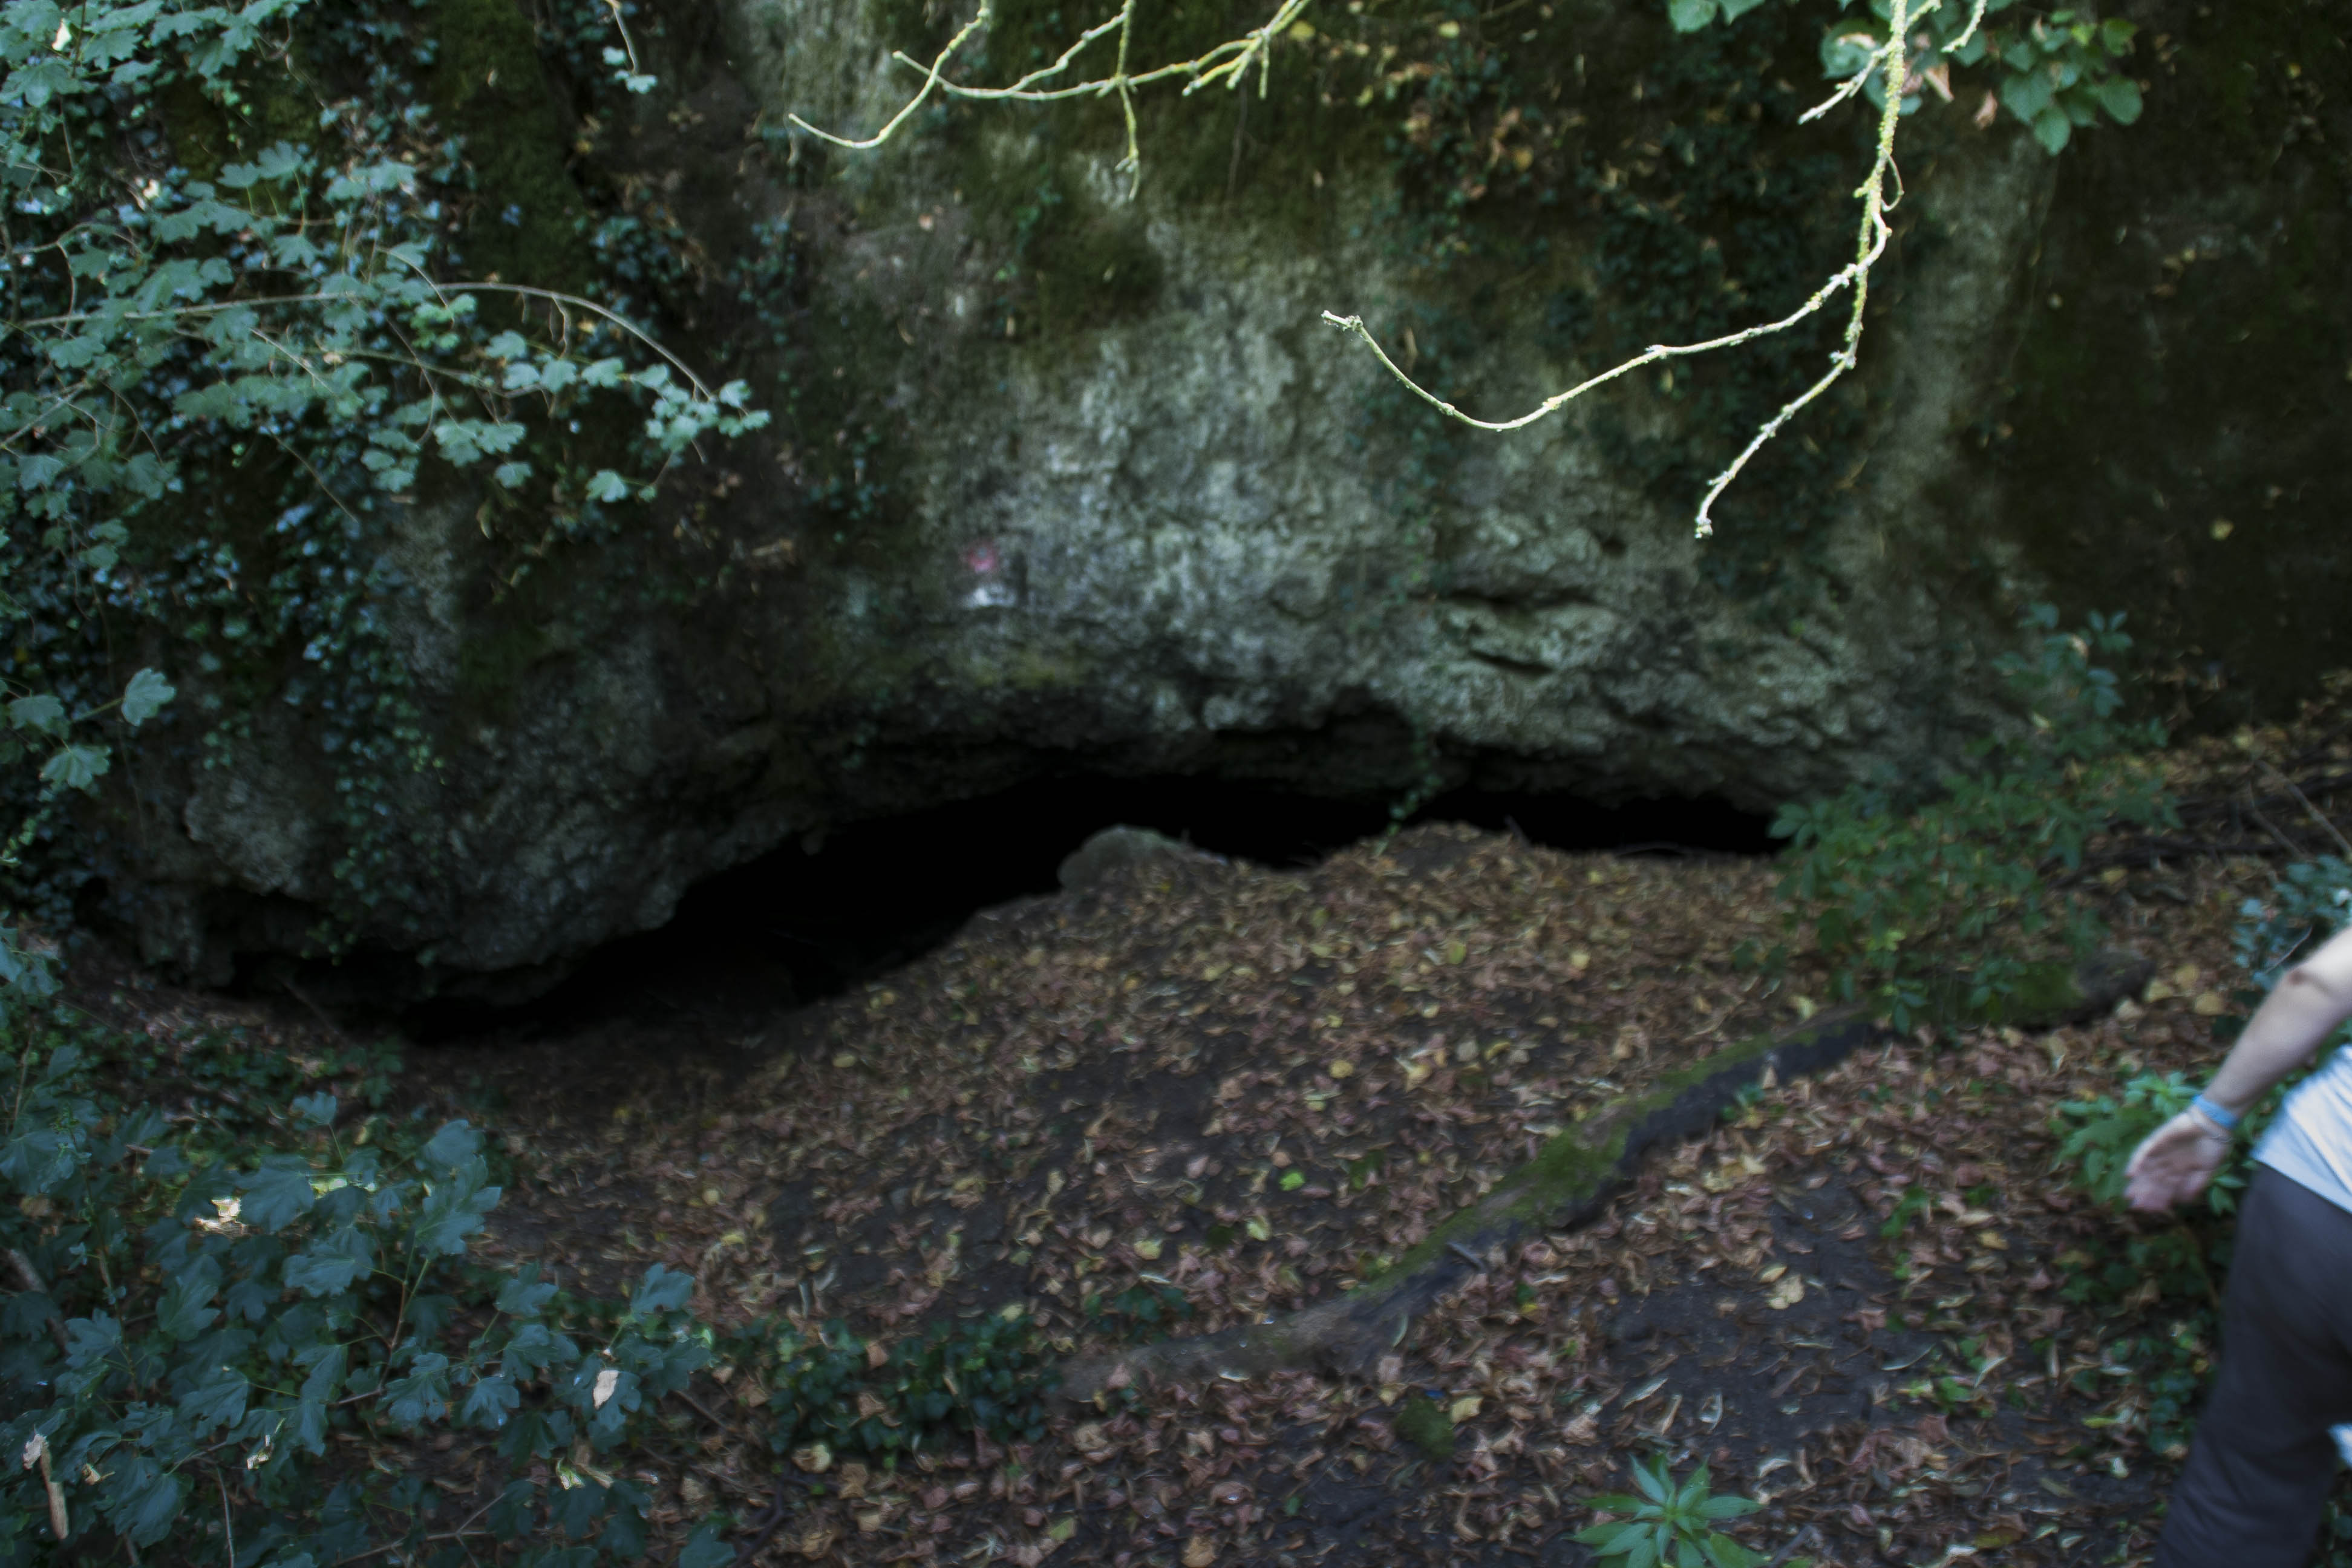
point(2059, 72)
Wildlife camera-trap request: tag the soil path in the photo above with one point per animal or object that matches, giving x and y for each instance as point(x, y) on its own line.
point(1211, 1094)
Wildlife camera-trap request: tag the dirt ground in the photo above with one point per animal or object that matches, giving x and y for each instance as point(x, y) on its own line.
point(1209, 1093)
point(1086, 1096)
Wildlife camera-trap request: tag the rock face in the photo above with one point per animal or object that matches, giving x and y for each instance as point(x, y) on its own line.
point(1063, 482)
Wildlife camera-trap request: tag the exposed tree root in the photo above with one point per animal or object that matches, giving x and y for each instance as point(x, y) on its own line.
point(1564, 1186)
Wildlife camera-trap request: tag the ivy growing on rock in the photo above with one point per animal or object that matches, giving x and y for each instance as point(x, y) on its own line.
point(243, 353)
point(1895, 885)
point(220, 1325)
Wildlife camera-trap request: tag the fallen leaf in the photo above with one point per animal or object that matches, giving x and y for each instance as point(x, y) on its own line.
point(1199, 1551)
point(815, 1459)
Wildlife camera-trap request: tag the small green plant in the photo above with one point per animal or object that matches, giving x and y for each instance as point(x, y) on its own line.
point(2057, 71)
point(1138, 1311)
point(2101, 1133)
point(1898, 894)
point(1670, 1526)
point(1914, 1203)
point(233, 1327)
point(991, 1375)
point(1423, 1423)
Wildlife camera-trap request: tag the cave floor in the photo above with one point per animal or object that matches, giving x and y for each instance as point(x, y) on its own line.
point(1202, 1095)
point(1149, 1110)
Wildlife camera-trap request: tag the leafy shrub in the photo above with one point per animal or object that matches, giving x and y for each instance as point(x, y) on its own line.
point(1138, 1312)
point(238, 344)
point(2308, 901)
point(2057, 71)
point(222, 1324)
point(1670, 1524)
point(242, 1322)
point(2101, 1133)
point(2181, 1264)
point(990, 1375)
point(1898, 894)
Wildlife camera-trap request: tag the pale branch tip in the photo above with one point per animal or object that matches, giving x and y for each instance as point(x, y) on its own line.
point(1229, 62)
point(1874, 232)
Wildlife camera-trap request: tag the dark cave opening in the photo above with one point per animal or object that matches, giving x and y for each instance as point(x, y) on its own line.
point(805, 922)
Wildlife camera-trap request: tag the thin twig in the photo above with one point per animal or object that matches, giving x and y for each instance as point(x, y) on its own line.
point(747, 1550)
point(2316, 815)
point(1790, 1546)
point(30, 1278)
point(697, 1406)
point(2290, 846)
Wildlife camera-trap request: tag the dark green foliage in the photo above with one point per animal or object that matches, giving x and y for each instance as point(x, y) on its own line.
point(1896, 890)
point(1670, 1524)
point(2055, 70)
point(2181, 1266)
point(989, 1374)
point(242, 351)
point(240, 1312)
point(1140, 1311)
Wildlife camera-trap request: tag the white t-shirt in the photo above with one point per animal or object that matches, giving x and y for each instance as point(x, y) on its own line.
point(2310, 1141)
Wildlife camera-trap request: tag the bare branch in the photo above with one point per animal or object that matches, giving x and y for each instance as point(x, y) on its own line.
point(1229, 62)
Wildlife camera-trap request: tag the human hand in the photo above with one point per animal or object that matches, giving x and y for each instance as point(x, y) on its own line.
point(2175, 1163)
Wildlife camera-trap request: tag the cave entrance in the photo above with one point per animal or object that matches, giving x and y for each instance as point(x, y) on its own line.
point(809, 920)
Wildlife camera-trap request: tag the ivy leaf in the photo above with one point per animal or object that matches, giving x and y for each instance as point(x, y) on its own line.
point(2119, 96)
point(607, 486)
point(490, 1401)
point(315, 1109)
point(511, 1516)
point(534, 1348)
point(218, 1399)
point(47, 715)
point(276, 1195)
point(661, 1291)
point(75, 767)
point(186, 1311)
point(1690, 15)
point(308, 1431)
point(328, 1265)
point(624, 1531)
point(325, 1378)
point(141, 1499)
point(424, 1395)
point(449, 1148)
point(453, 1211)
point(2052, 129)
point(92, 1339)
point(145, 697)
point(524, 1295)
point(708, 1547)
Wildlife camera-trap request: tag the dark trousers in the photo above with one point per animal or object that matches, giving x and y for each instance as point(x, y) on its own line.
point(2259, 1470)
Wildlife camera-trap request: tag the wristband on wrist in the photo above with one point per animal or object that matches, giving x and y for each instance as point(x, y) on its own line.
point(2220, 1117)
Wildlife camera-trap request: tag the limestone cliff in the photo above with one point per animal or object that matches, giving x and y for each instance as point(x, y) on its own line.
point(1063, 481)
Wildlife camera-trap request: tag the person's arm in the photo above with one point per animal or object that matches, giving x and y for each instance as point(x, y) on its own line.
point(2179, 1158)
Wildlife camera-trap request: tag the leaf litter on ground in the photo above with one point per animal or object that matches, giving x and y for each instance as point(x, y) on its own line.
point(1202, 1095)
